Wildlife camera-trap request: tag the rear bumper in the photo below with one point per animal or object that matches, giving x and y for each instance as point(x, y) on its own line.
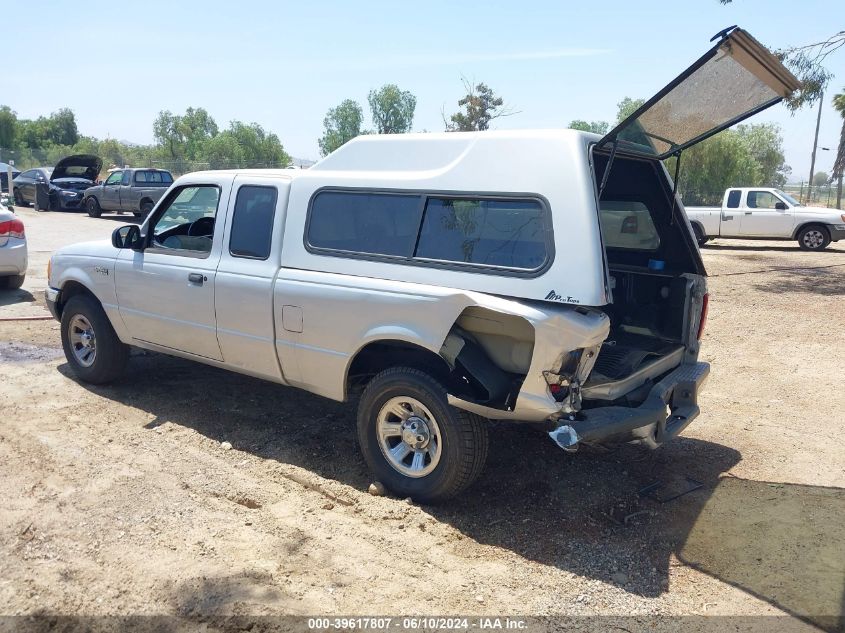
point(678, 392)
point(13, 257)
point(52, 297)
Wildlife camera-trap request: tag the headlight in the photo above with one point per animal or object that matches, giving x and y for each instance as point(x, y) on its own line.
point(70, 194)
point(49, 269)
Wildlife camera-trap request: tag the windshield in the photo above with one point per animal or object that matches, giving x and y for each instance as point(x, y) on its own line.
point(788, 198)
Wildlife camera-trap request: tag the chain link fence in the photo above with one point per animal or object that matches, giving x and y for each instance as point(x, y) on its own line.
point(819, 195)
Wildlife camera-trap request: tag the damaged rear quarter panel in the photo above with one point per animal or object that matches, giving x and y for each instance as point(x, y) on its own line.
point(342, 314)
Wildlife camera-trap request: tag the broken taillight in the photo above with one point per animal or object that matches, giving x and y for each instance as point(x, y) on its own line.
point(705, 304)
point(12, 228)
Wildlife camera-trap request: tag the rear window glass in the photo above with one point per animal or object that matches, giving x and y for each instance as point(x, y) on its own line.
point(153, 176)
point(628, 225)
point(507, 233)
point(252, 222)
point(369, 223)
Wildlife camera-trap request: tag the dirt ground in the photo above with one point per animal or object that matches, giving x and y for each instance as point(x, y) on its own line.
point(121, 500)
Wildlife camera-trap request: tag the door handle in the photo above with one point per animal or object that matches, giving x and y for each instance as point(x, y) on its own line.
point(196, 278)
point(748, 213)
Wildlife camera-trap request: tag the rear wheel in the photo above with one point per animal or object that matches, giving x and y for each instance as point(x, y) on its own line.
point(93, 208)
point(12, 283)
point(414, 441)
point(146, 207)
point(91, 346)
point(19, 202)
point(813, 238)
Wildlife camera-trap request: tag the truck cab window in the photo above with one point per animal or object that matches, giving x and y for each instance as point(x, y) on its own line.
point(114, 178)
point(733, 199)
point(252, 222)
point(187, 220)
point(140, 176)
point(127, 178)
point(761, 200)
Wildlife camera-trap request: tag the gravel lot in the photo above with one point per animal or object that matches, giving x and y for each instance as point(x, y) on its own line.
point(121, 499)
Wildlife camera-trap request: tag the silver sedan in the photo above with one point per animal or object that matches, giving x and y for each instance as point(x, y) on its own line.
point(13, 253)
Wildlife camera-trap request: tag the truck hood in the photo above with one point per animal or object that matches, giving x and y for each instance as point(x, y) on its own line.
point(98, 248)
point(85, 166)
point(830, 216)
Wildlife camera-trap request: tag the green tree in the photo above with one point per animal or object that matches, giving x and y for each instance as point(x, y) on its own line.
point(166, 130)
point(245, 145)
point(342, 124)
point(392, 109)
point(820, 178)
point(480, 106)
point(597, 127)
point(196, 127)
point(748, 156)
point(627, 107)
point(8, 127)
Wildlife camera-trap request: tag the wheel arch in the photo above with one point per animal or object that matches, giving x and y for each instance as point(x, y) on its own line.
point(70, 289)
point(383, 353)
point(807, 224)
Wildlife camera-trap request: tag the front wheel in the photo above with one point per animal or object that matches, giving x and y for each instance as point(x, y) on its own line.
point(813, 238)
point(91, 346)
point(700, 238)
point(414, 441)
point(93, 208)
point(19, 202)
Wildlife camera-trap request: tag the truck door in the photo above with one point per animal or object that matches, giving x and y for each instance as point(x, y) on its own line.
point(165, 291)
point(251, 255)
point(125, 192)
point(764, 214)
point(110, 195)
point(729, 219)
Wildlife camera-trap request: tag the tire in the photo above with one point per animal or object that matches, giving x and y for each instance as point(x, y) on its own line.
point(700, 238)
point(461, 449)
point(92, 205)
point(19, 201)
point(85, 325)
point(12, 283)
point(146, 207)
point(813, 237)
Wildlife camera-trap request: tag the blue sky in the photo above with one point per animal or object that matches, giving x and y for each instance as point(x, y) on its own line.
point(283, 64)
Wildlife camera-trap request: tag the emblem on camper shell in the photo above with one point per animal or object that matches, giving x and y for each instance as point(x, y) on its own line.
point(553, 296)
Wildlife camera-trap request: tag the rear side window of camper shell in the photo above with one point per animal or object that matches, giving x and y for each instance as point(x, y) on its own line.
point(485, 232)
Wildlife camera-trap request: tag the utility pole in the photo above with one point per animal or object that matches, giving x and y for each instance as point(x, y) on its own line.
point(815, 144)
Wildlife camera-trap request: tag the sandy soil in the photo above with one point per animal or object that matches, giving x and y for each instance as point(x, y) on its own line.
point(121, 499)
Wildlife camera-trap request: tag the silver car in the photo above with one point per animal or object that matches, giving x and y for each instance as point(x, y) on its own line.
point(13, 253)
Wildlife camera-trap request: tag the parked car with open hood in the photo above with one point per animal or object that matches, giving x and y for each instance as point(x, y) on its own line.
point(59, 188)
point(424, 278)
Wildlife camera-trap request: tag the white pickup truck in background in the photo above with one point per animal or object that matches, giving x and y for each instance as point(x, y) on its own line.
point(765, 213)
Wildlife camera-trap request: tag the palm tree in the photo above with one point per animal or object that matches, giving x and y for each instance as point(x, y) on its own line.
point(839, 165)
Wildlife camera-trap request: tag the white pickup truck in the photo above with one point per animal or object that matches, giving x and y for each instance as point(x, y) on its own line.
point(766, 213)
point(425, 278)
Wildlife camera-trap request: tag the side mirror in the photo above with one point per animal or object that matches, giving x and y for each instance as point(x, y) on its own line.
point(780, 206)
point(126, 236)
